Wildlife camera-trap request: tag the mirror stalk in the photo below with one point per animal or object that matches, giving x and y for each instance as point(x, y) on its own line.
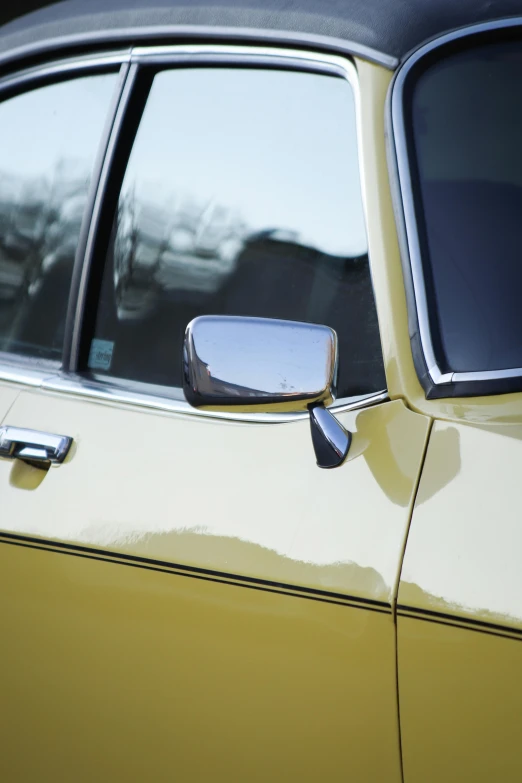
point(330, 439)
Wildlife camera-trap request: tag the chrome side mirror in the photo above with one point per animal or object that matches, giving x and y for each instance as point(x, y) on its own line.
point(260, 364)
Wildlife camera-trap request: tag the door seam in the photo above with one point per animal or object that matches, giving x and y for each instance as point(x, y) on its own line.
point(396, 588)
point(10, 408)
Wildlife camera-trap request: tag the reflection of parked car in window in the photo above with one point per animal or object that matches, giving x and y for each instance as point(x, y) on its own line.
point(176, 249)
point(39, 226)
point(240, 242)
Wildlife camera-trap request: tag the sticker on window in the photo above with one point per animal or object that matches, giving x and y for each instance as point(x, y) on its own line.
point(100, 356)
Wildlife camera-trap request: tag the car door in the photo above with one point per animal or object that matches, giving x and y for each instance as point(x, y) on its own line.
point(187, 594)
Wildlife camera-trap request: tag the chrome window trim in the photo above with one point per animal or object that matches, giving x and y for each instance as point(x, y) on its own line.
point(68, 65)
point(216, 54)
point(119, 395)
point(183, 32)
point(24, 375)
point(410, 245)
point(83, 263)
point(222, 54)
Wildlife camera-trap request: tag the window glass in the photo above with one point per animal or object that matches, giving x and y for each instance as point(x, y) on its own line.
point(466, 115)
point(48, 141)
point(242, 197)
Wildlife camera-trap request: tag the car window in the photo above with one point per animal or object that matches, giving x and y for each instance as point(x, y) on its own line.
point(465, 114)
point(48, 140)
point(241, 196)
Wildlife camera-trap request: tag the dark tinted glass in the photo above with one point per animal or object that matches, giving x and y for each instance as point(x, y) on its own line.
point(241, 197)
point(467, 121)
point(48, 141)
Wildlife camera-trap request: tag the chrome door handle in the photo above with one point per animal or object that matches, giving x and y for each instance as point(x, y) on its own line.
point(18, 443)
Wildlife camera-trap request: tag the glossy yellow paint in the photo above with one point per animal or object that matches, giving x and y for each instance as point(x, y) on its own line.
point(8, 394)
point(222, 681)
point(383, 246)
point(460, 704)
point(460, 688)
point(164, 674)
point(242, 498)
point(115, 673)
point(465, 543)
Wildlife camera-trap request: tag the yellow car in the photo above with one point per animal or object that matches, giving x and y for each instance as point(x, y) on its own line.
point(242, 242)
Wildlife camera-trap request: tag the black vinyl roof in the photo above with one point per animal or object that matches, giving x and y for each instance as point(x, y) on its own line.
point(389, 27)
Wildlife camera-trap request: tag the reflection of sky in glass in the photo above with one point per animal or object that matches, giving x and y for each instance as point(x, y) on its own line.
point(49, 136)
point(279, 147)
point(266, 356)
point(41, 128)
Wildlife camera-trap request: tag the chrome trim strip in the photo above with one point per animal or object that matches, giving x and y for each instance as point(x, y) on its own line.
point(111, 142)
point(440, 377)
point(406, 197)
point(221, 53)
point(216, 53)
point(410, 222)
point(70, 347)
point(26, 376)
point(460, 32)
point(200, 33)
point(486, 375)
point(69, 65)
point(112, 393)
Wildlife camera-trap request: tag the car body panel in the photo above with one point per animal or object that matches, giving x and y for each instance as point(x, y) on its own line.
point(266, 511)
point(125, 673)
point(231, 614)
point(8, 395)
point(460, 609)
point(465, 541)
point(460, 697)
point(383, 243)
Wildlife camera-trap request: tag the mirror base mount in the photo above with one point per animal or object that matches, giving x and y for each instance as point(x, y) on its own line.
point(330, 439)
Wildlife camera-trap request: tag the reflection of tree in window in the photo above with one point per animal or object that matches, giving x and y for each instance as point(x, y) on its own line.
point(185, 248)
point(182, 259)
point(39, 226)
point(49, 136)
point(258, 212)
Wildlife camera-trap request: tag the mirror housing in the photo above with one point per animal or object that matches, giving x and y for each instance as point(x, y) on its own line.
point(258, 364)
point(239, 364)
